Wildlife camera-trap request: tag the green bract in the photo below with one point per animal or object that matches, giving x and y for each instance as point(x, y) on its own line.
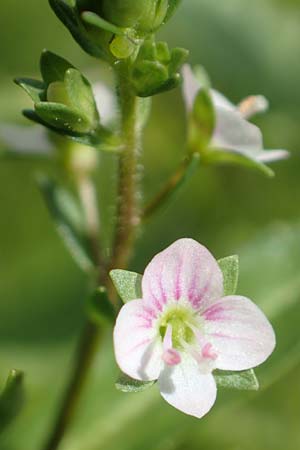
point(156, 68)
point(64, 102)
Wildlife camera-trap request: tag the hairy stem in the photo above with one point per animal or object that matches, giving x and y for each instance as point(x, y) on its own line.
point(127, 220)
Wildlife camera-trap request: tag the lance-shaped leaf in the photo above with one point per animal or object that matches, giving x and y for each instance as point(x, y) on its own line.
point(100, 310)
point(244, 381)
point(62, 117)
point(67, 216)
point(67, 12)
point(11, 398)
point(34, 88)
point(128, 284)
point(53, 67)
point(127, 384)
point(230, 270)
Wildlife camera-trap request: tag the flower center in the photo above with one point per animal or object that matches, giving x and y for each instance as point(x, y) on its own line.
point(180, 320)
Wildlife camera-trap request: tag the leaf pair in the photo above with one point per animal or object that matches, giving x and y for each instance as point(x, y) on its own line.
point(128, 286)
point(64, 101)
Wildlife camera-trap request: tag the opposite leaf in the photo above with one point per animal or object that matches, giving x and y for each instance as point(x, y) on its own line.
point(230, 270)
point(66, 215)
point(127, 384)
point(244, 381)
point(127, 284)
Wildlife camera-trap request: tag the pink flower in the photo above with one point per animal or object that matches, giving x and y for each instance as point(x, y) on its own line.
point(183, 328)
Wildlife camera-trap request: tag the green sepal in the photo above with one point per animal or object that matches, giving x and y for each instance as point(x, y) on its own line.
point(157, 69)
point(101, 138)
point(62, 117)
point(226, 156)
point(67, 12)
point(128, 284)
point(245, 380)
point(230, 269)
point(173, 5)
point(127, 384)
point(202, 122)
point(99, 309)
point(93, 19)
point(34, 88)
point(68, 219)
point(81, 95)
point(53, 67)
point(12, 398)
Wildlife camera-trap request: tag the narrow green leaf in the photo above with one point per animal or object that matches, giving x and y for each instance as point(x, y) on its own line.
point(62, 117)
point(53, 67)
point(81, 95)
point(127, 384)
point(34, 88)
point(245, 380)
point(100, 309)
point(93, 19)
point(220, 156)
point(68, 13)
point(11, 398)
point(230, 270)
point(128, 284)
point(67, 217)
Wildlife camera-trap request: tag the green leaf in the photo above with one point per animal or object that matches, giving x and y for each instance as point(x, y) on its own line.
point(100, 309)
point(203, 121)
point(12, 398)
point(67, 217)
point(53, 67)
point(67, 12)
point(127, 384)
point(62, 117)
point(245, 380)
point(220, 156)
point(128, 284)
point(81, 95)
point(93, 19)
point(230, 270)
point(34, 88)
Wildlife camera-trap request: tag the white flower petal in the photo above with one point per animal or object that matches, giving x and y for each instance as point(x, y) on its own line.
point(220, 101)
point(137, 347)
point(255, 104)
point(232, 132)
point(239, 332)
point(185, 388)
point(268, 156)
point(184, 271)
point(191, 86)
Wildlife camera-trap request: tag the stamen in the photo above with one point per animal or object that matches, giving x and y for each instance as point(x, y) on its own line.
point(170, 356)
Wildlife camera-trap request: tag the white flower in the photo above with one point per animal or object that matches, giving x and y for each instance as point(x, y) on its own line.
point(183, 328)
point(233, 133)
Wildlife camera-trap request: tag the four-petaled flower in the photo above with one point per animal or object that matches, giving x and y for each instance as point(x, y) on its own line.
point(183, 328)
point(232, 137)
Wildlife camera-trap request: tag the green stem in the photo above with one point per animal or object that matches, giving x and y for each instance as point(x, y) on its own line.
point(128, 211)
point(172, 186)
point(128, 217)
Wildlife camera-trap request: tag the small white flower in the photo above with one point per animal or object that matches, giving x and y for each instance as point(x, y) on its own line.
point(233, 132)
point(183, 328)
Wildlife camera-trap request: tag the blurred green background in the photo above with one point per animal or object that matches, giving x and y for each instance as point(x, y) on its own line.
point(247, 48)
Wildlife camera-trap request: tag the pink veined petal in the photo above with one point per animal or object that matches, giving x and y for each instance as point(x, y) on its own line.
point(239, 332)
point(185, 388)
point(137, 347)
point(235, 133)
point(184, 271)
